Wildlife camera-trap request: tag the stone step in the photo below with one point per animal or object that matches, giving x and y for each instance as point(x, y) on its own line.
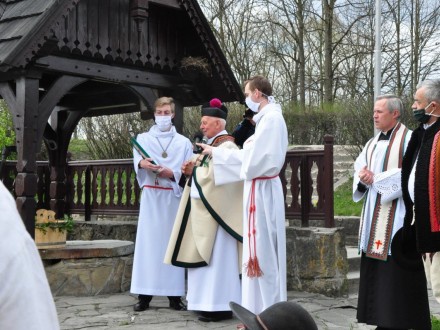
point(345, 160)
point(353, 258)
point(354, 262)
point(353, 282)
point(348, 166)
point(351, 240)
point(350, 224)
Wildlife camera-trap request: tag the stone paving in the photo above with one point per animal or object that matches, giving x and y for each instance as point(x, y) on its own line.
point(116, 312)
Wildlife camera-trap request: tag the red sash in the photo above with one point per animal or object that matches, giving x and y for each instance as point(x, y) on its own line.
point(252, 266)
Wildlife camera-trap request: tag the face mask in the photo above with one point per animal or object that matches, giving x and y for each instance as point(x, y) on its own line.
point(163, 122)
point(251, 104)
point(421, 116)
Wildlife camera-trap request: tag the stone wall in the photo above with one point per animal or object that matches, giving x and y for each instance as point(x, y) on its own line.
point(316, 256)
point(104, 229)
point(90, 277)
point(317, 260)
point(89, 268)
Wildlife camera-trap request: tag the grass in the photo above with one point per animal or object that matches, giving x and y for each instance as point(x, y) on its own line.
point(435, 323)
point(343, 201)
point(78, 149)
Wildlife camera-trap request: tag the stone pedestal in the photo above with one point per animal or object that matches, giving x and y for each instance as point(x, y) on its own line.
point(88, 268)
point(317, 260)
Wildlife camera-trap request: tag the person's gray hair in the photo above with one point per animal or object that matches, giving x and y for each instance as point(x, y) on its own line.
point(432, 89)
point(393, 102)
point(223, 122)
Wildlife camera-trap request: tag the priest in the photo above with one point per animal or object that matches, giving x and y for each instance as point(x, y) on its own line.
point(390, 296)
point(207, 233)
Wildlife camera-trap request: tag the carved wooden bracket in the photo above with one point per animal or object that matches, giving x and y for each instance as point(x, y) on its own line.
point(139, 12)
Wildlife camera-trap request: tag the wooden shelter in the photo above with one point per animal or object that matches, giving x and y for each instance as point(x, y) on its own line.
point(61, 60)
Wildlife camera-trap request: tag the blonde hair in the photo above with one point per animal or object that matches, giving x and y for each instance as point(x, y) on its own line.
point(164, 100)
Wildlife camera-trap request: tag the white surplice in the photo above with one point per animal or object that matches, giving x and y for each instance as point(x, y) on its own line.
point(376, 166)
point(157, 212)
point(263, 155)
point(25, 298)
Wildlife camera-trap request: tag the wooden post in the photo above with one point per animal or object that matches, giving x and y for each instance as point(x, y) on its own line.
point(305, 191)
point(328, 177)
point(25, 109)
point(178, 116)
point(87, 194)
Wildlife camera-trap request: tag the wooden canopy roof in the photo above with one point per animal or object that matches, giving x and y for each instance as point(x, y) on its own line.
point(61, 60)
point(140, 42)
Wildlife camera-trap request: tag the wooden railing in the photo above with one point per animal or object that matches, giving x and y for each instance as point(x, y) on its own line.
point(110, 186)
point(102, 187)
point(307, 178)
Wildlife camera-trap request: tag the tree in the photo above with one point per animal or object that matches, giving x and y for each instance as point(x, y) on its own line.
point(7, 134)
point(108, 137)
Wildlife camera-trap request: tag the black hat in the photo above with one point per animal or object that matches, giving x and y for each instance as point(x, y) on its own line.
point(284, 315)
point(404, 249)
point(215, 108)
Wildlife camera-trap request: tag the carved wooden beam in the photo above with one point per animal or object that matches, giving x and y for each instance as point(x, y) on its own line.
point(148, 97)
point(139, 10)
point(53, 96)
point(107, 73)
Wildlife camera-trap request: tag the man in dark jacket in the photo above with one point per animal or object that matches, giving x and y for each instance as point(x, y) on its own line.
point(245, 129)
point(421, 178)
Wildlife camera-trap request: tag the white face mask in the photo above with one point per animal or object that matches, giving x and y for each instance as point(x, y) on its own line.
point(163, 122)
point(251, 104)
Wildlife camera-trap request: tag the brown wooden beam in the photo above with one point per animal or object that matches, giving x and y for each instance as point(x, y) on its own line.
point(25, 109)
point(92, 70)
point(52, 97)
point(101, 100)
point(167, 3)
point(119, 109)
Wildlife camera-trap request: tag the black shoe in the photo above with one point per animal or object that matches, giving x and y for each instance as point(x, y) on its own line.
point(143, 303)
point(177, 304)
point(215, 316)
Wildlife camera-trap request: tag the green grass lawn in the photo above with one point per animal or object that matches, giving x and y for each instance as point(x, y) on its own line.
point(343, 201)
point(79, 150)
point(435, 323)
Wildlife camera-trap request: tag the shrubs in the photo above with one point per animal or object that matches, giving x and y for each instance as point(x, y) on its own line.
point(350, 122)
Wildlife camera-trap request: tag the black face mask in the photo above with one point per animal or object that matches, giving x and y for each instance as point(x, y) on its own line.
point(421, 116)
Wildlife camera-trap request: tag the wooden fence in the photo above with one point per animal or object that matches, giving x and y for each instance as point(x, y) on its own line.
point(110, 187)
